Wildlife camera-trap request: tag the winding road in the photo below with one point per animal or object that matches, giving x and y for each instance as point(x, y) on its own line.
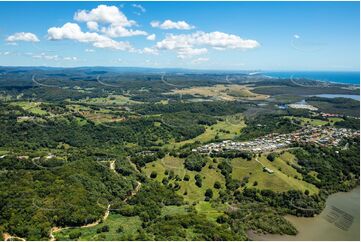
point(41, 84)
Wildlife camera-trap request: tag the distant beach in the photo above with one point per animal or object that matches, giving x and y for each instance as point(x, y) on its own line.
point(351, 77)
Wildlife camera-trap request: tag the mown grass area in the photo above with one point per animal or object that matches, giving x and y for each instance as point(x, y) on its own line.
point(230, 127)
point(212, 212)
point(174, 210)
point(188, 190)
point(283, 178)
point(33, 107)
point(315, 122)
point(222, 92)
point(102, 117)
point(208, 209)
point(130, 226)
point(110, 100)
point(334, 120)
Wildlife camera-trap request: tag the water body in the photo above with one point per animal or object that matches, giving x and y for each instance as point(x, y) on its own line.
point(355, 97)
point(340, 220)
point(350, 77)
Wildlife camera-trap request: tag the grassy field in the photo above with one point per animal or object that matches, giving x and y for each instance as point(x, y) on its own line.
point(283, 178)
point(173, 210)
point(227, 129)
point(102, 115)
point(222, 92)
point(211, 212)
point(110, 100)
point(315, 122)
point(114, 221)
point(334, 120)
point(32, 107)
point(193, 193)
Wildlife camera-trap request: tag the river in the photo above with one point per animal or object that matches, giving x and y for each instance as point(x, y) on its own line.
point(340, 220)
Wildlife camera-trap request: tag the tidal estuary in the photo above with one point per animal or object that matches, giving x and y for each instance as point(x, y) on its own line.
point(340, 220)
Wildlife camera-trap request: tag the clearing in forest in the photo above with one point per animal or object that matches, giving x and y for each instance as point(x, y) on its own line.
point(222, 92)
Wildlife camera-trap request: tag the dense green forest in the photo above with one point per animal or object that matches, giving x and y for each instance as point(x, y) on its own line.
point(265, 124)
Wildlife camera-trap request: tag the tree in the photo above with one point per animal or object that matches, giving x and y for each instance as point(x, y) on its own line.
point(271, 156)
point(217, 185)
point(153, 174)
point(198, 179)
point(186, 177)
point(194, 162)
point(105, 228)
point(221, 219)
point(255, 183)
point(165, 181)
point(120, 229)
point(74, 235)
point(209, 193)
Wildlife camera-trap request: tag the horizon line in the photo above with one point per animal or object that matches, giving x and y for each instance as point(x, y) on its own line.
point(181, 68)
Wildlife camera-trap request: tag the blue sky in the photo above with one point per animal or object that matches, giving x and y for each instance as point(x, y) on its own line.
point(202, 35)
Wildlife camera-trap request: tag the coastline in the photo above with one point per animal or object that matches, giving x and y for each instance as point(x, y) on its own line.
point(321, 76)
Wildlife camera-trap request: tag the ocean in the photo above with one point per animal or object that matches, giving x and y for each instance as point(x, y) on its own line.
point(351, 77)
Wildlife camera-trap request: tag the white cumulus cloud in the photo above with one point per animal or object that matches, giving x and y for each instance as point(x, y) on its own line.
point(109, 20)
point(119, 31)
point(23, 36)
point(169, 24)
point(213, 39)
point(92, 25)
point(104, 14)
point(72, 31)
point(197, 43)
point(151, 37)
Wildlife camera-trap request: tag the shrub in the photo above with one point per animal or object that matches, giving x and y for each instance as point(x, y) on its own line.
point(271, 156)
point(194, 162)
point(209, 193)
point(198, 179)
point(105, 228)
point(74, 235)
point(217, 185)
point(221, 219)
point(153, 174)
point(120, 229)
